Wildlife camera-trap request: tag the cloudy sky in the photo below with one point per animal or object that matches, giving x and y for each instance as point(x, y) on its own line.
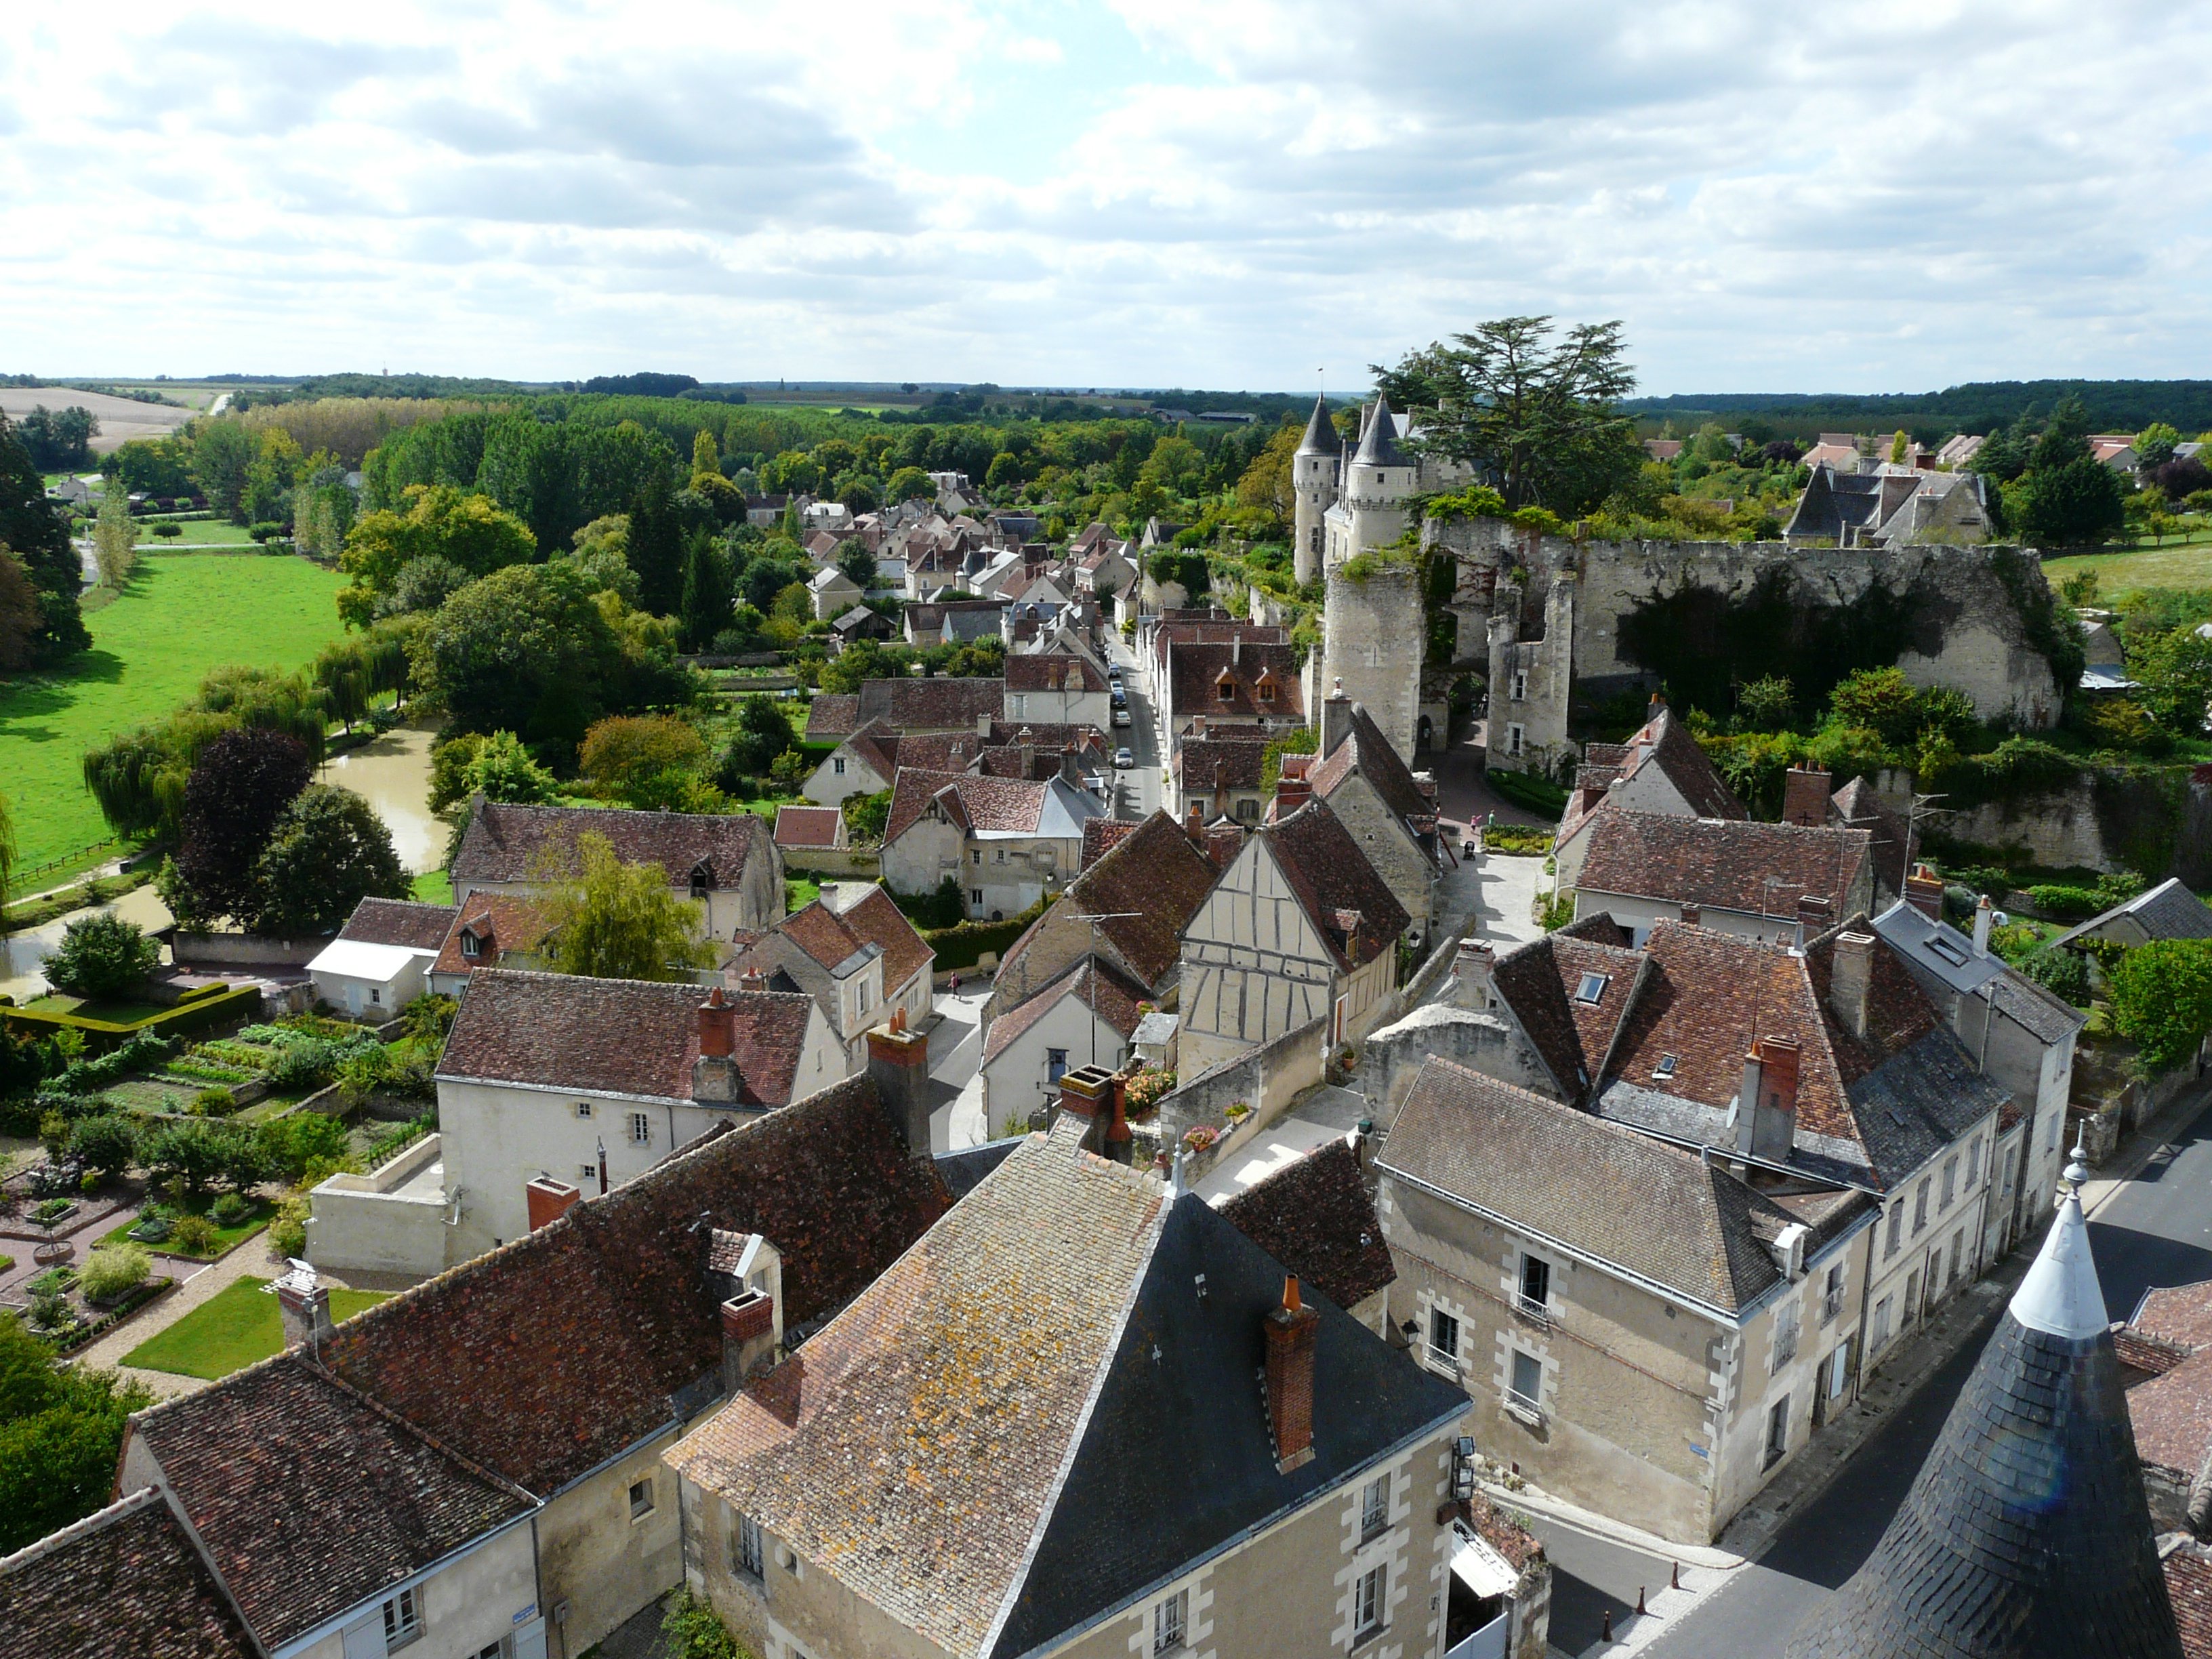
point(1220, 193)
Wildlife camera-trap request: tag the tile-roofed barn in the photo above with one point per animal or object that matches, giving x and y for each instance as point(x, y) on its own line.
point(873, 918)
point(396, 921)
point(1009, 806)
point(1335, 884)
point(972, 1447)
point(125, 1583)
point(505, 844)
point(554, 1029)
point(930, 705)
point(809, 826)
point(309, 1498)
point(1315, 1215)
point(1552, 1172)
point(1741, 864)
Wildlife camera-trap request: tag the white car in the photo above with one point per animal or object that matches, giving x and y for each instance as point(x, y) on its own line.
point(1123, 760)
point(1121, 717)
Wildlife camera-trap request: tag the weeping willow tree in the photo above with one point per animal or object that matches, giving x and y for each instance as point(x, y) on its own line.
point(138, 779)
point(349, 673)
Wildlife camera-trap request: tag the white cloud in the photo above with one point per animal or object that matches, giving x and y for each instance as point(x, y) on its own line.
point(1149, 193)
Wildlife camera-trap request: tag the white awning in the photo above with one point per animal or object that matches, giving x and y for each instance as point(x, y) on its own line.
point(1480, 1567)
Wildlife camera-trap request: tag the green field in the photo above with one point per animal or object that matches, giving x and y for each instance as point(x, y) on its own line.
point(236, 1325)
point(183, 614)
point(197, 532)
point(2176, 564)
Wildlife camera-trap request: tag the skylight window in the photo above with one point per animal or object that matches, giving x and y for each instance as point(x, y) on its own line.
point(1947, 948)
point(1664, 1069)
point(1592, 989)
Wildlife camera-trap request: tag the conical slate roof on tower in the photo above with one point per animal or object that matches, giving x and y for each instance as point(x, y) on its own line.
point(1321, 437)
point(1379, 446)
point(2027, 1534)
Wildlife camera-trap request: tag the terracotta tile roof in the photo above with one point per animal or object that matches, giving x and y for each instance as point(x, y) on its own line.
point(503, 843)
point(1332, 878)
point(1611, 1192)
point(1662, 742)
point(1366, 750)
point(619, 1035)
point(1541, 981)
point(1315, 1217)
point(822, 934)
point(1154, 871)
point(874, 919)
point(831, 716)
point(2188, 1570)
point(501, 922)
point(1520, 1547)
point(396, 921)
point(1049, 670)
point(1209, 763)
point(2172, 1417)
point(1092, 983)
point(125, 1583)
point(1010, 806)
point(554, 1352)
point(1200, 672)
point(1855, 806)
point(931, 705)
point(933, 751)
point(310, 1499)
point(1102, 836)
point(2179, 1313)
point(1724, 864)
point(807, 826)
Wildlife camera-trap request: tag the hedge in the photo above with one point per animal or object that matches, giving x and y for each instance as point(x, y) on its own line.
point(962, 945)
point(195, 1014)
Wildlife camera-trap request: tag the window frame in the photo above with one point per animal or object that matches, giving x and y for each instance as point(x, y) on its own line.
point(587, 1171)
point(1536, 1268)
point(1441, 1323)
point(1370, 1603)
point(583, 1109)
point(403, 1618)
point(1517, 1398)
point(1375, 1507)
point(1584, 995)
point(641, 1129)
point(749, 1549)
point(650, 1503)
point(1789, 1328)
point(1172, 1622)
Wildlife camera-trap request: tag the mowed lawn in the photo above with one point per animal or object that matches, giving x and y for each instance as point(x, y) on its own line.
point(184, 614)
point(2176, 564)
point(235, 1327)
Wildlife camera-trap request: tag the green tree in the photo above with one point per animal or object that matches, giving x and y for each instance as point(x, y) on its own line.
point(34, 530)
point(615, 920)
point(221, 452)
point(2076, 503)
point(468, 533)
point(2154, 445)
point(908, 483)
point(61, 1432)
point(857, 564)
point(764, 732)
point(2161, 996)
point(114, 539)
point(1880, 699)
point(2175, 670)
point(101, 955)
point(240, 786)
point(655, 547)
point(706, 460)
point(107, 1142)
point(1767, 705)
point(7, 852)
point(1538, 415)
point(304, 1141)
point(2080, 589)
point(709, 592)
point(622, 749)
point(328, 851)
point(22, 620)
point(524, 650)
point(501, 769)
point(191, 1152)
point(867, 815)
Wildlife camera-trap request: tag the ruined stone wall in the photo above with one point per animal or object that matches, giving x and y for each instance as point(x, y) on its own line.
point(1374, 628)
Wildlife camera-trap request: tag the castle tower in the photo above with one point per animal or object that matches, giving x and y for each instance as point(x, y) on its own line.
point(1377, 480)
point(1373, 630)
point(1314, 471)
point(2027, 1534)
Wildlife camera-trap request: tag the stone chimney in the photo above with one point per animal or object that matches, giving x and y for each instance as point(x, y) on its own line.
point(749, 1337)
point(1849, 980)
point(1071, 768)
point(549, 1200)
point(1693, 913)
point(304, 1305)
point(1805, 796)
point(1198, 725)
point(753, 981)
point(898, 1065)
point(1814, 913)
point(1983, 916)
point(1335, 719)
point(1924, 891)
point(1291, 1330)
point(1770, 1073)
point(983, 723)
point(1473, 971)
point(715, 1073)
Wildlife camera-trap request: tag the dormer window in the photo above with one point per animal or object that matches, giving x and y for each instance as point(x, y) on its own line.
point(470, 947)
point(1592, 988)
point(1266, 687)
point(702, 877)
point(1224, 688)
point(1664, 1071)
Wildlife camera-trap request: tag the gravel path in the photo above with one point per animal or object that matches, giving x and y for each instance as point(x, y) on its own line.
point(254, 1258)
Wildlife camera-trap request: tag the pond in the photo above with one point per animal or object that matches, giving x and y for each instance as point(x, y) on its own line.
point(22, 954)
point(393, 775)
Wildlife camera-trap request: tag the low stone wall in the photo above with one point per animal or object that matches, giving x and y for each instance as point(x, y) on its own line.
point(366, 1222)
point(242, 951)
point(1267, 1079)
point(843, 863)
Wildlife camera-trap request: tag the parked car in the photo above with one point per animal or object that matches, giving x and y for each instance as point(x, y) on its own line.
point(1121, 717)
point(1123, 760)
point(1121, 697)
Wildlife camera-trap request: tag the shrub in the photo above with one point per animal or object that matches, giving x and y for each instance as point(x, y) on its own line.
point(101, 955)
point(111, 1270)
point(213, 1102)
point(287, 1231)
point(695, 1631)
point(2063, 973)
point(265, 531)
point(301, 1142)
point(168, 530)
point(106, 1143)
point(1517, 839)
point(2065, 901)
point(50, 1310)
point(2162, 998)
point(230, 1209)
point(194, 1235)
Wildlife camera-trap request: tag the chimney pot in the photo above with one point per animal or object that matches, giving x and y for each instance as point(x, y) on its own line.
point(717, 1034)
point(898, 1065)
point(750, 1336)
point(1924, 891)
point(1805, 796)
point(1692, 913)
point(752, 980)
point(1774, 1111)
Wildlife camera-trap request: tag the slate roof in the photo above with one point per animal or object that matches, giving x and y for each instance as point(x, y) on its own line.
point(396, 921)
point(1155, 871)
point(505, 921)
point(1553, 1172)
point(624, 1036)
point(1332, 877)
point(1320, 437)
point(309, 1498)
point(2027, 1534)
point(2169, 910)
point(125, 1583)
point(931, 705)
point(1937, 951)
point(1366, 750)
point(1723, 863)
point(1198, 671)
point(974, 1445)
point(503, 843)
point(832, 716)
point(1855, 806)
point(1378, 444)
point(557, 1351)
point(1116, 999)
point(1048, 671)
point(1315, 1217)
point(807, 826)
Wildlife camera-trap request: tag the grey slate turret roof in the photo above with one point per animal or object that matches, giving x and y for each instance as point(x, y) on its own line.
point(2028, 1532)
point(1321, 437)
point(1378, 446)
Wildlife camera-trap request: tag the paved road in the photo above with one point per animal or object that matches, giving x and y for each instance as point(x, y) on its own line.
point(2156, 1230)
point(1591, 1576)
point(1138, 794)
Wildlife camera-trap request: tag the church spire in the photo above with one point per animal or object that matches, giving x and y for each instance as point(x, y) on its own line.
point(2027, 1534)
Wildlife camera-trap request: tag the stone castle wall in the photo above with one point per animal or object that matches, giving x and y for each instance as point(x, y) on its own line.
point(1374, 630)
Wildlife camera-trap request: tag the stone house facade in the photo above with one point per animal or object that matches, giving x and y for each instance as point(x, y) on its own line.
point(1006, 843)
point(1087, 1016)
point(1391, 813)
point(1057, 688)
point(855, 952)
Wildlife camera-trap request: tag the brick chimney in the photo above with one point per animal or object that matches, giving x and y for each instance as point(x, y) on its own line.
point(715, 1074)
point(549, 1200)
point(1924, 891)
point(1813, 915)
point(750, 1336)
point(1290, 793)
point(1119, 1144)
point(1291, 1330)
point(303, 1304)
point(1693, 913)
point(751, 981)
point(898, 1065)
point(1805, 796)
point(1223, 843)
point(1335, 719)
point(1193, 823)
point(1850, 979)
point(1473, 971)
point(1770, 1081)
